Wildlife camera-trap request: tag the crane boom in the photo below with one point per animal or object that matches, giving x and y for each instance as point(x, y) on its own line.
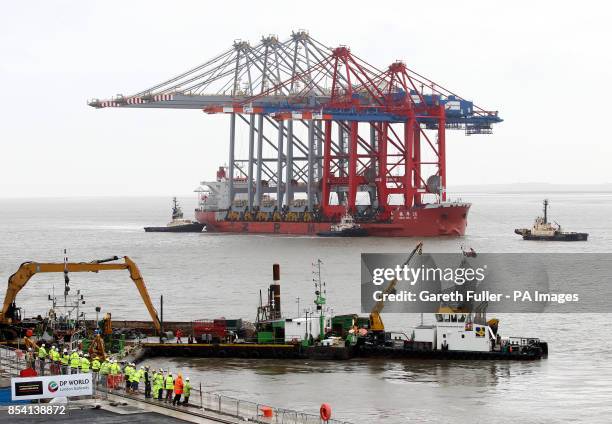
point(27, 270)
point(376, 323)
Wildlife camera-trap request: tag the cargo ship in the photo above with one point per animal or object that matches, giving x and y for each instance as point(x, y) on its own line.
point(221, 212)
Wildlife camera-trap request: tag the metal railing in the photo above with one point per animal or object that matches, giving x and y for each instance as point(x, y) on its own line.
point(253, 411)
point(12, 360)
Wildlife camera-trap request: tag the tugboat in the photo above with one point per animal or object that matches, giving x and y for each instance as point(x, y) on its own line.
point(178, 224)
point(347, 227)
point(544, 230)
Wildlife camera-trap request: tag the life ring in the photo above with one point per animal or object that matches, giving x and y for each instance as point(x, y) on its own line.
point(325, 412)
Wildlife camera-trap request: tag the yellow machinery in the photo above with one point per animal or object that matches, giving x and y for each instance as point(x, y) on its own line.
point(96, 348)
point(376, 323)
point(9, 313)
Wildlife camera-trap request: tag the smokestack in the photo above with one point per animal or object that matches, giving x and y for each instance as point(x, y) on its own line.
point(275, 289)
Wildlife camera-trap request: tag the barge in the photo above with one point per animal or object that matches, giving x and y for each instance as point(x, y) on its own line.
point(321, 335)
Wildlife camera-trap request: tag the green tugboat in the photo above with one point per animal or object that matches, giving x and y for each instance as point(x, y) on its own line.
point(544, 230)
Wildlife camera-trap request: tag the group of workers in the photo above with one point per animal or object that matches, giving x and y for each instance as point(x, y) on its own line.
point(67, 362)
point(159, 385)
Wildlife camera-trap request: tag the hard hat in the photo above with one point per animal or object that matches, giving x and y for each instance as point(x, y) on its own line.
point(30, 349)
point(43, 345)
point(186, 378)
point(87, 355)
point(65, 351)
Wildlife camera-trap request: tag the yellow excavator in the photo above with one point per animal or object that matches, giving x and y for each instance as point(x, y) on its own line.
point(10, 314)
point(376, 324)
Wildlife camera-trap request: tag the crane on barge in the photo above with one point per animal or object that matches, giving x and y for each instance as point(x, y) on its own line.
point(377, 327)
point(10, 315)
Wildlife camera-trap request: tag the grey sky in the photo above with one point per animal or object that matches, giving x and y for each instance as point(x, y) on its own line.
point(545, 66)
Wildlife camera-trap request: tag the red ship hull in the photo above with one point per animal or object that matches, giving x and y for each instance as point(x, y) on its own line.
point(427, 221)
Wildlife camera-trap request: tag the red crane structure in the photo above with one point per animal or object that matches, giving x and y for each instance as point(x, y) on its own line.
point(359, 129)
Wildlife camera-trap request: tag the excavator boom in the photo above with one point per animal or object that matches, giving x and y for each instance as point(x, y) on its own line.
point(27, 270)
point(376, 323)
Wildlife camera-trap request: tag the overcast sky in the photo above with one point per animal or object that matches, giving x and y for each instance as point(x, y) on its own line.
point(546, 66)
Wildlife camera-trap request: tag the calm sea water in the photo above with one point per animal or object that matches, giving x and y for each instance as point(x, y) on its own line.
point(211, 275)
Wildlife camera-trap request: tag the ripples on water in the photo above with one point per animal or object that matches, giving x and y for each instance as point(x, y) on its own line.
point(206, 276)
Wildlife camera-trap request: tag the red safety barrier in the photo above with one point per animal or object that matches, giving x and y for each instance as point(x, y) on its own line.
point(114, 381)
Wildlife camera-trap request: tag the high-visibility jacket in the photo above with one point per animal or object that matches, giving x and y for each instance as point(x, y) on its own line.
point(169, 383)
point(85, 364)
point(75, 361)
point(54, 355)
point(187, 389)
point(114, 368)
point(42, 352)
point(95, 365)
point(178, 386)
point(105, 368)
point(135, 376)
point(128, 370)
point(158, 381)
point(74, 356)
point(65, 359)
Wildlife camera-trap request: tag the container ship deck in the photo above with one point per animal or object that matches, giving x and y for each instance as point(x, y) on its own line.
point(219, 214)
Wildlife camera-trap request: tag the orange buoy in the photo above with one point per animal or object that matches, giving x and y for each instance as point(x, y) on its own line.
point(325, 412)
point(266, 411)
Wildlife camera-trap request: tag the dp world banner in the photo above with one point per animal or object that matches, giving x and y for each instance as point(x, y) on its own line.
point(52, 386)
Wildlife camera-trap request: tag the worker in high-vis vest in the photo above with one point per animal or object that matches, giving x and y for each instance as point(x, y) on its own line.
point(54, 360)
point(42, 355)
point(134, 380)
point(127, 374)
point(85, 364)
point(104, 372)
point(64, 360)
point(186, 391)
point(153, 377)
point(75, 362)
point(169, 386)
point(158, 385)
point(95, 366)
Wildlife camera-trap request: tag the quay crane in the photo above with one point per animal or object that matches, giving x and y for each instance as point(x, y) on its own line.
point(10, 315)
point(325, 127)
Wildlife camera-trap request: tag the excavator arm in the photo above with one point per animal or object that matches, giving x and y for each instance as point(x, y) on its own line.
point(27, 270)
point(376, 323)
